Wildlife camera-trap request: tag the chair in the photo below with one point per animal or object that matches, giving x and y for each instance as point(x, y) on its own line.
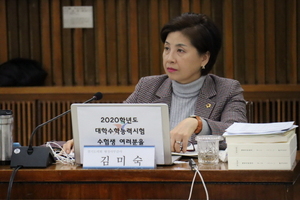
point(249, 109)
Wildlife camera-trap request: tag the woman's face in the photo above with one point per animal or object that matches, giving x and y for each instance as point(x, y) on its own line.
point(181, 60)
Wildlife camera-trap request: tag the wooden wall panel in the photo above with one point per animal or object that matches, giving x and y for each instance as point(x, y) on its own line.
point(206, 7)
point(292, 41)
point(270, 42)
point(143, 38)
point(195, 6)
point(280, 42)
point(133, 54)
point(239, 41)
point(111, 28)
point(46, 53)
point(100, 53)
point(216, 8)
point(249, 33)
point(228, 39)
point(67, 57)
point(56, 41)
point(260, 46)
point(3, 32)
point(34, 29)
point(122, 41)
point(154, 38)
point(297, 42)
point(77, 53)
point(23, 28)
point(260, 49)
point(89, 51)
point(12, 29)
point(185, 6)
point(175, 8)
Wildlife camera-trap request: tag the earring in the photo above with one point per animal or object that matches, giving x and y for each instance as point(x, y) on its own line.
point(202, 67)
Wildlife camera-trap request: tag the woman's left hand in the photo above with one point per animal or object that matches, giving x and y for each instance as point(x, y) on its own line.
point(181, 134)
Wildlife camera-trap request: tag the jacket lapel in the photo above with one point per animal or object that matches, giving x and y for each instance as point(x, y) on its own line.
point(164, 93)
point(204, 104)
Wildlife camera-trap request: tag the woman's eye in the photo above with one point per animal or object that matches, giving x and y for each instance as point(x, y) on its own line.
point(180, 50)
point(166, 48)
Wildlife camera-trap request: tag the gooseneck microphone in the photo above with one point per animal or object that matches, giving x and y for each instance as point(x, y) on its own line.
point(96, 96)
point(40, 156)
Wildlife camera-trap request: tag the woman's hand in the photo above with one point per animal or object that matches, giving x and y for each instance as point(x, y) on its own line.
point(181, 134)
point(69, 146)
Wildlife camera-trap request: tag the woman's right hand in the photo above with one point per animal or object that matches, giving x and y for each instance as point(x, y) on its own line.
point(181, 134)
point(69, 146)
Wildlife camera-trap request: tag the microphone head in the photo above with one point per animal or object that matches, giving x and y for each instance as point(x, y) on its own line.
point(98, 96)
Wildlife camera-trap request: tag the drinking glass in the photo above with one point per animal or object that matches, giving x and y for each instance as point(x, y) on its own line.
point(208, 148)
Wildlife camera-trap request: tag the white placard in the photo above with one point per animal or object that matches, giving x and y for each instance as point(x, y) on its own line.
point(122, 125)
point(127, 157)
point(78, 17)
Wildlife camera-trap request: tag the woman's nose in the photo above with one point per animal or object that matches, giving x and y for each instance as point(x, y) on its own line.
point(170, 57)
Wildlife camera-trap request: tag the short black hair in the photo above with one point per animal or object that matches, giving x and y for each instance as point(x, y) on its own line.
point(202, 32)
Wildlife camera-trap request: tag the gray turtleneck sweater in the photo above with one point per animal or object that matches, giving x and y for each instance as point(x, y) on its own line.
point(184, 97)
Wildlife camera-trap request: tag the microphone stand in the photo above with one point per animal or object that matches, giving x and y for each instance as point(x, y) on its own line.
point(39, 156)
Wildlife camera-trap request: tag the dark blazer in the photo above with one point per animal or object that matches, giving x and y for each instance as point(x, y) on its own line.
point(220, 101)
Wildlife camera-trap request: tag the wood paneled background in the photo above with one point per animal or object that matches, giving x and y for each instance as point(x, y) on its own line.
point(261, 39)
point(261, 49)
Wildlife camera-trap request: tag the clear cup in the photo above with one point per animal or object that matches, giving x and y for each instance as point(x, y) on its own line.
point(208, 148)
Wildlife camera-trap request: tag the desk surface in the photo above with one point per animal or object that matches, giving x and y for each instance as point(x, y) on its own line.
point(164, 182)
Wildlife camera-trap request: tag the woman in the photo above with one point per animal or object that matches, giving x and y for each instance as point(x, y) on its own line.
point(199, 103)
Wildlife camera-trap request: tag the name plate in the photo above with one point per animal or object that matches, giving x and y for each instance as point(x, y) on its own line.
point(108, 157)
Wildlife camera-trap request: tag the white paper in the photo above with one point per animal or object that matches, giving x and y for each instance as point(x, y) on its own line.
point(77, 16)
point(188, 153)
point(259, 128)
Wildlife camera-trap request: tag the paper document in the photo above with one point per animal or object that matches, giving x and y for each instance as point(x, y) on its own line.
point(259, 128)
point(189, 151)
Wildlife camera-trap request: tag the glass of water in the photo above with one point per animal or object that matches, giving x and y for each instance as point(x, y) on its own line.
point(208, 148)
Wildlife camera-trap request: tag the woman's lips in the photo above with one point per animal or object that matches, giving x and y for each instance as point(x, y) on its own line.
point(169, 69)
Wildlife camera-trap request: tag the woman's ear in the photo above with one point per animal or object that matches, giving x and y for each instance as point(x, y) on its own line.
point(205, 58)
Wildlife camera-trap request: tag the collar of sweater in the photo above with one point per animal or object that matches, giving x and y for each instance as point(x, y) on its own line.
point(188, 90)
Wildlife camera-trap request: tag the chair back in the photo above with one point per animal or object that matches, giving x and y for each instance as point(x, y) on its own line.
point(249, 108)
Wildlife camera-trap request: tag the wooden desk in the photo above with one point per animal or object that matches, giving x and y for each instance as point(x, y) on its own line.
point(168, 182)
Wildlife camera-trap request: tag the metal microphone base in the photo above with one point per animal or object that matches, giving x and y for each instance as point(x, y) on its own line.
point(41, 157)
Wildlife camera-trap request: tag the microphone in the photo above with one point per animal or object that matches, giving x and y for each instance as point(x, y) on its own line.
point(39, 156)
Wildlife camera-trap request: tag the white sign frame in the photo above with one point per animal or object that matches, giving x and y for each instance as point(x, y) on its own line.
point(154, 118)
